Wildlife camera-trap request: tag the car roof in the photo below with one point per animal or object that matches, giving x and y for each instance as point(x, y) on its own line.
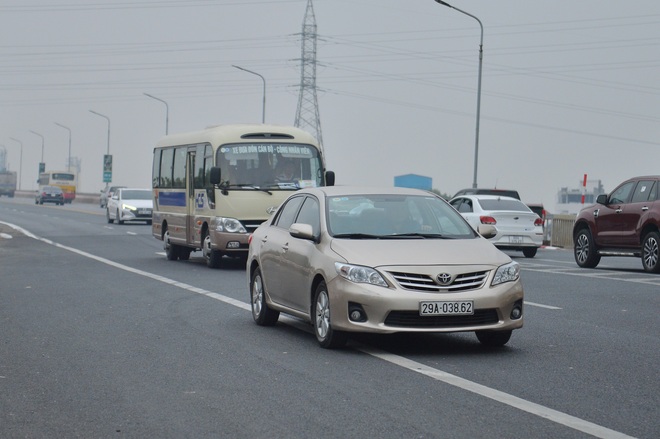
point(332, 191)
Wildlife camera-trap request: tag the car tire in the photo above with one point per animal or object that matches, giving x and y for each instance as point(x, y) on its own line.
point(326, 335)
point(262, 314)
point(118, 218)
point(493, 339)
point(584, 249)
point(107, 216)
point(530, 252)
point(651, 252)
point(213, 257)
point(171, 250)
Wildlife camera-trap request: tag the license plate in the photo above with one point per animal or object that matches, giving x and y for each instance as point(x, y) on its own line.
point(446, 308)
point(515, 239)
point(144, 212)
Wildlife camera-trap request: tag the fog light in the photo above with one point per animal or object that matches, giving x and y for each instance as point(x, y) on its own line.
point(356, 312)
point(516, 312)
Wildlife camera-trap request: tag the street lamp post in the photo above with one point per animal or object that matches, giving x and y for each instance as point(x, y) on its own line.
point(42, 165)
point(108, 119)
point(68, 166)
point(263, 108)
point(20, 163)
point(167, 111)
point(107, 153)
point(481, 54)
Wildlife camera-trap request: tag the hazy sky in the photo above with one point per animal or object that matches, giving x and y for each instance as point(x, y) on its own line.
point(569, 87)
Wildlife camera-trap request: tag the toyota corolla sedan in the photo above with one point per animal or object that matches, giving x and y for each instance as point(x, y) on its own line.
point(128, 204)
point(357, 259)
point(517, 227)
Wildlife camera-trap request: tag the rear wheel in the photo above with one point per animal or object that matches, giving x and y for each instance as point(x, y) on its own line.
point(171, 250)
point(326, 335)
point(529, 252)
point(213, 257)
point(262, 314)
point(493, 338)
point(651, 252)
point(584, 250)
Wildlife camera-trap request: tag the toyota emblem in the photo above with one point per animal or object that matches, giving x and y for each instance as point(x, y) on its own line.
point(444, 278)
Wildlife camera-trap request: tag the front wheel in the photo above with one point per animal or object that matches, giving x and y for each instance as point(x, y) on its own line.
point(327, 337)
point(213, 257)
point(262, 314)
point(493, 338)
point(651, 252)
point(584, 250)
point(118, 218)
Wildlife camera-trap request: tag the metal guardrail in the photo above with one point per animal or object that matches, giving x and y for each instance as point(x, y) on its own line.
point(562, 231)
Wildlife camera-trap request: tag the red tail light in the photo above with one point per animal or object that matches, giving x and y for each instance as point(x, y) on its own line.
point(538, 222)
point(250, 239)
point(487, 220)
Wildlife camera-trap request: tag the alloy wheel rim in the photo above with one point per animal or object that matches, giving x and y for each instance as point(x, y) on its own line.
point(651, 252)
point(207, 247)
point(257, 295)
point(582, 248)
point(322, 315)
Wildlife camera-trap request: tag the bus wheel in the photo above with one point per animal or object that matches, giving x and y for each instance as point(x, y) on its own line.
point(170, 249)
point(213, 257)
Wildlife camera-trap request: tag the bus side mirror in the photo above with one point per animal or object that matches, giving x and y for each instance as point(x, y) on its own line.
point(214, 178)
point(329, 178)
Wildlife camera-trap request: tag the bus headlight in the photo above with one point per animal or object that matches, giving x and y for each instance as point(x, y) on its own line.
point(229, 225)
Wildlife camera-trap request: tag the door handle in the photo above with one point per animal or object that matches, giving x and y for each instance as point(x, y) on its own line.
point(619, 210)
point(645, 208)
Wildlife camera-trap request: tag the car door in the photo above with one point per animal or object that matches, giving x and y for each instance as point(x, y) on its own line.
point(273, 247)
point(298, 257)
point(608, 219)
point(634, 212)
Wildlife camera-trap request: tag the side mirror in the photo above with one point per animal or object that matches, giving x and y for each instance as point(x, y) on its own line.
point(601, 199)
point(329, 178)
point(302, 231)
point(487, 230)
point(214, 178)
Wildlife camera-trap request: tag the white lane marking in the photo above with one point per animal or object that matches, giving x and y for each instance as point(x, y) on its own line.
point(541, 305)
point(5, 236)
point(131, 233)
point(436, 374)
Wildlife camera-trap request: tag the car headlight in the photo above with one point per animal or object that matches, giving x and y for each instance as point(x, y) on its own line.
point(229, 225)
point(507, 273)
point(360, 274)
point(128, 207)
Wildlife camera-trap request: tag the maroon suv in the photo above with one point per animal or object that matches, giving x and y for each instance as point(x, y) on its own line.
point(623, 223)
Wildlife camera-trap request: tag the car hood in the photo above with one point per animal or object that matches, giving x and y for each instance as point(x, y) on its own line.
point(140, 204)
point(381, 252)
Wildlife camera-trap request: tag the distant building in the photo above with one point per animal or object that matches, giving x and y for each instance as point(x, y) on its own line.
point(414, 181)
point(569, 200)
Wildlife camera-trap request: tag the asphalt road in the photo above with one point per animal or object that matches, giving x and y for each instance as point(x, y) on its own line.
point(101, 336)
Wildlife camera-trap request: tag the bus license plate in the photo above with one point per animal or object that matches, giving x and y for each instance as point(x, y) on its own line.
point(445, 308)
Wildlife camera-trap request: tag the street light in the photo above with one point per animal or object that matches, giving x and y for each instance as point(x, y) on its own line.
point(42, 144)
point(167, 111)
point(108, 119)
point(68, 166)
point(263, 110)
point(481, 54)
point(20, 163)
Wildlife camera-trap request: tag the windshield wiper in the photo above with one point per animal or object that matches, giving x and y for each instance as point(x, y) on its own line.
point(357, 236)
point(226, 186)
point(418, 235)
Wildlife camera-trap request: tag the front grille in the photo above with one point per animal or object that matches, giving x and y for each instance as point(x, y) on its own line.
point(425, 283)
point(251, 225)
point(412, 319)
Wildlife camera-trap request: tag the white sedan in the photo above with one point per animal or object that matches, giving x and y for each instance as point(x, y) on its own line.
point(128, 204)
point(518, 228)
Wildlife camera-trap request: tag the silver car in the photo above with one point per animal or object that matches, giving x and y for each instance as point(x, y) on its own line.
point(518, 228)
point(129, 204)
point(357, 259)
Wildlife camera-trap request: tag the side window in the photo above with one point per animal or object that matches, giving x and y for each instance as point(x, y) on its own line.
point(653, 196)
point(155, 171)
point(289, 212)
point(622, 193)
point(179, 168)
point(310, 214)
point(642, 191)
point(166, 163)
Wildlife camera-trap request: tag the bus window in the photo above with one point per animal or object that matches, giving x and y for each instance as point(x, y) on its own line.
point(166, 165)
point(155, 172)
point(179, 168)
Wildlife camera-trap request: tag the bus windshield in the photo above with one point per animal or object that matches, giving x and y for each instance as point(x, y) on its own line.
point(283, 166)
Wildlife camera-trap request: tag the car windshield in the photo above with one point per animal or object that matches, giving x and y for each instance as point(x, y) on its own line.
point(394, 216)
point(503, 204)
point(136, 195)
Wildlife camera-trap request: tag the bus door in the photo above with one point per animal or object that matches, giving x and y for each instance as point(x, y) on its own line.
point(191, 228)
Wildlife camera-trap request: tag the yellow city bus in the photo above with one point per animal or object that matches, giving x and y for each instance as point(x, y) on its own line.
point(213, 187)
point(67, 181)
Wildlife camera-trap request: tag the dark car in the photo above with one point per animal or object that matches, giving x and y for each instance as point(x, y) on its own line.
point(49, 194)
point(484, 191)
point(624, 223)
